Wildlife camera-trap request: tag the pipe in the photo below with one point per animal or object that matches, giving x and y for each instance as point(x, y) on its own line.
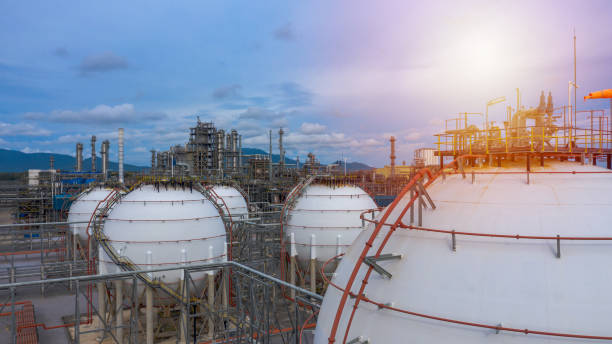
point(120, 155)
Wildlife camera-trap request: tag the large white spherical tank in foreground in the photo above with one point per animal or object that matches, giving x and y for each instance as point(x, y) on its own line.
point(83, 207)
point(177, 226)
point(326, 212)
point(234, 200)
point(505, 282)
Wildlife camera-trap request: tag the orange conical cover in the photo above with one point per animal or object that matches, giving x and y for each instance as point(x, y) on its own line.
point(600, 94)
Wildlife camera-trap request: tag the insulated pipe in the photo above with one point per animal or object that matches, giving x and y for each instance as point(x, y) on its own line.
point(120, 155)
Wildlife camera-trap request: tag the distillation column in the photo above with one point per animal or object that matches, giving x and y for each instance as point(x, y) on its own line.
point(79, 157)
point(104, 155)
point(281, 150)
point(120, 155)
point(234, 150)
point(93, 153)
point(220, 151)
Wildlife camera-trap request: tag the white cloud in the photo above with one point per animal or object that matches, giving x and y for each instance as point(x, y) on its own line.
point(436, 122)
point(312, 128)
point(22, 129)
point(100, 114)
point(29, 150)
point(414, 136)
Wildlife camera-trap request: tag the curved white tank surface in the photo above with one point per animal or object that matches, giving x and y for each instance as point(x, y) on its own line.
point(82, 209)
point(512, 283)
point(331, 215)
point(176, 226)
point(234, 200)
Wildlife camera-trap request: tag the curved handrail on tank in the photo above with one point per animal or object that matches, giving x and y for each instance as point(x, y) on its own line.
point(224, 212)
point(399, 224)
point(124, 262)
point(425, 172)
point(289, 203)
point(456, 321)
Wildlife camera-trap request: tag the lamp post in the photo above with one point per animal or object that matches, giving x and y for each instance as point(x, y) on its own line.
point(489, 103)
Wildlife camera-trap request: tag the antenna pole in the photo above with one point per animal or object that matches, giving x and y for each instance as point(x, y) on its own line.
point(575, 99)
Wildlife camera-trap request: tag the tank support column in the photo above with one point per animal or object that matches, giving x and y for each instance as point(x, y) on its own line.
point(542, 160)
point(609, 161)
point(313, 264)
point(594, 159)
point(211, 303)
point(292, 264)
point(149, 314)
point(101, 288)
point(119, 310)
point(183, 324)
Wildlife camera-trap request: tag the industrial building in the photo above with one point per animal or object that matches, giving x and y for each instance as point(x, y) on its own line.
point(500, 236)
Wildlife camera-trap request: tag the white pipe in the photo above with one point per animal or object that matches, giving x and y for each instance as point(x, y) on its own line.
point(293, 251)
point(313, 249)
point(120, 155)
point(338, 247)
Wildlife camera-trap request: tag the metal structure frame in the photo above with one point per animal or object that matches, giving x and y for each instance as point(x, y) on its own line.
point(254, 314)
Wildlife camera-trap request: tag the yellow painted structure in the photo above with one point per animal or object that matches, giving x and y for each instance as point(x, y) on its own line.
point(400, 170)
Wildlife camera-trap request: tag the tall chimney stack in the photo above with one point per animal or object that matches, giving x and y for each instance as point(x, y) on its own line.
point(392, 156)
point(120, 155)
point(280, 148)
point(270, 173)
point(104, 155)
point(79, 157)
point(93, 153)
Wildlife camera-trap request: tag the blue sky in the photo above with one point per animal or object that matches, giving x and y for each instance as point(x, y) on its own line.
point(340, 77)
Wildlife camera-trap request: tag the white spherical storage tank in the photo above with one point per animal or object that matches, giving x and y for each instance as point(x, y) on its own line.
point(326, 219)
point(157, 227)
point(83, 207)
point(501, 277)
point(234, 200)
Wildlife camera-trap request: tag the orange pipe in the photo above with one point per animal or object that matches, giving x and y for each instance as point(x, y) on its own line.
point(599, 94)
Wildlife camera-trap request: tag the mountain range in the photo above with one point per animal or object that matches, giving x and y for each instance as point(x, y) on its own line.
point(16, 161)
